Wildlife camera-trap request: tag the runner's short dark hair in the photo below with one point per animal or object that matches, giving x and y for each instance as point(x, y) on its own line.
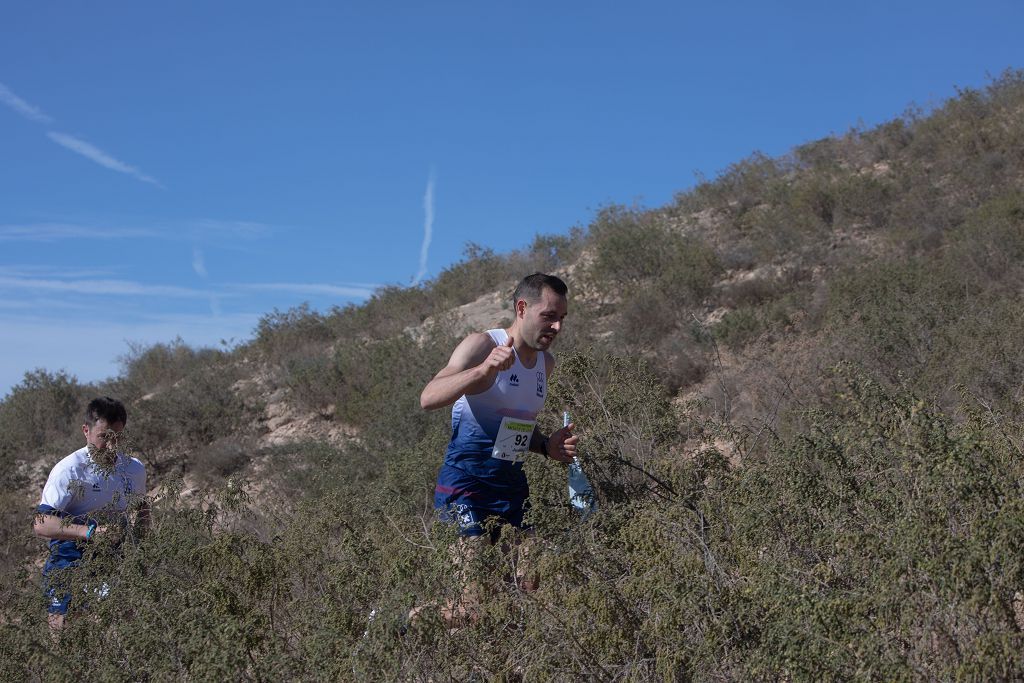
point(530, 287)
point(107, 408)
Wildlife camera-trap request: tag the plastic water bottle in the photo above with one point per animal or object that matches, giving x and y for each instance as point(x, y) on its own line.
point(581, 493)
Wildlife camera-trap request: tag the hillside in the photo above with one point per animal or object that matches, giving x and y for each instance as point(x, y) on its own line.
point(798, 388)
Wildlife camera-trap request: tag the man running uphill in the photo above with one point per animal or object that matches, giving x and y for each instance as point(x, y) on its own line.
point(496, 383)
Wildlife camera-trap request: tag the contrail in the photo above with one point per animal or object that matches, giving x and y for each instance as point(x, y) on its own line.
point(89, 151)
point(94, 153)
point(428, 228)
point(29, 111)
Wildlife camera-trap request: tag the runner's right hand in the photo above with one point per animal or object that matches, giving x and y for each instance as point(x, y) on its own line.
point(500, 358)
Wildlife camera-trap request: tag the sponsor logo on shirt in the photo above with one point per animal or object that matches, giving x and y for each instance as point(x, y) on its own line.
point(513, 380)
point(540, 384)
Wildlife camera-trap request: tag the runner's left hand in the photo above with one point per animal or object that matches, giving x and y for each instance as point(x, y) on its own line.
point(562, 444)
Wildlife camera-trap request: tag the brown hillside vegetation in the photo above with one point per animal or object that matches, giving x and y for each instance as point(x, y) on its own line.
point(799, 393)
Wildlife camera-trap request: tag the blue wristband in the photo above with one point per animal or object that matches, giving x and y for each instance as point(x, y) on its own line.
point(91, 531)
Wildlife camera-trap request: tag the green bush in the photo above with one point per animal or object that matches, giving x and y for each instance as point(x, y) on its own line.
point(737, 328)
point(197, 410)
point(280, 335)
point(145, 369)
point(380, 383)
point(629, 423)
point(634, 249)
point(991, 240)
point(217, 461)
point(313, 379)
point(885, 536)
point(915, 319)
point(751, 291)
point(41, 422)
point(388, 312)
point(741, 187)
point(660, 277)
point(44, 410)
point(863, 200)
point(479, 272)
point(550, 253)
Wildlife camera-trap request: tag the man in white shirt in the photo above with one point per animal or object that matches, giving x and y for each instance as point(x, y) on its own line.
point(88, 497)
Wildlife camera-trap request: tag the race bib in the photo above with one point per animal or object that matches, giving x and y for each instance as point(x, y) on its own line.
point(513, 439)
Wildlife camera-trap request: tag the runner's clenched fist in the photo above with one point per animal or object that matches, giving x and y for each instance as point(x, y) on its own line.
point(562, 444)
point(500, 358)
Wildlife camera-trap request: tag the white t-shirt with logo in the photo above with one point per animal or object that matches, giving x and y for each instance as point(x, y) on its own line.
point(80, 492)
point(77, 488)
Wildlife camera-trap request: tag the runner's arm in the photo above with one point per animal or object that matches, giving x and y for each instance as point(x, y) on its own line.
point(53, 527)
point(561, 444)
point(472, 368)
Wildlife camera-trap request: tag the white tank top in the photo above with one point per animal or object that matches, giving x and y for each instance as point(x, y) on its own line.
point(487, 427)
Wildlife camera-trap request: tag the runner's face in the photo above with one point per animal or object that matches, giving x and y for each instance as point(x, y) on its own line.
point(542, 319)
point(101, 435)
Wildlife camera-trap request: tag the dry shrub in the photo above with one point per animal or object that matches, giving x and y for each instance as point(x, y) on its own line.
point(220, 459)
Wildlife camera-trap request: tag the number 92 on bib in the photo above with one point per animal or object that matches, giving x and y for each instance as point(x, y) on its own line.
point(513, 440)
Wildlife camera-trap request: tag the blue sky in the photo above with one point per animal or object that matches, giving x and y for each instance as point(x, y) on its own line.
point(180, 169)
